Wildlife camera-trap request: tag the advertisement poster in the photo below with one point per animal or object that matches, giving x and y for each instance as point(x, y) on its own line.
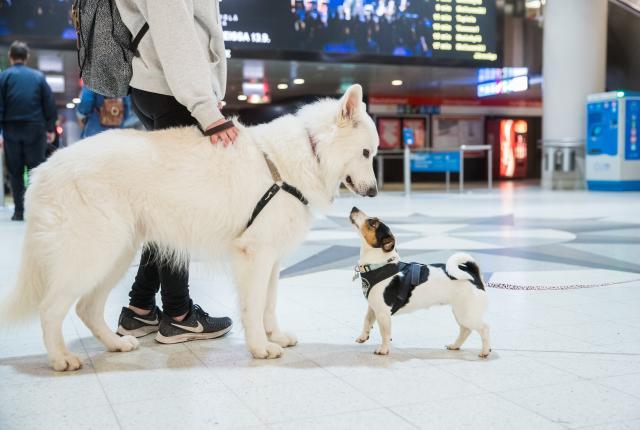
point(449, 132)
point(389, 130)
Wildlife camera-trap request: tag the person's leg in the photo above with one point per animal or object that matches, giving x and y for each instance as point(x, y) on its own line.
point(35, 146)
point(167, 113)
point(142, 297)
point(147, 282)
point(183, 320)
point(15, 165)
point(156, 112)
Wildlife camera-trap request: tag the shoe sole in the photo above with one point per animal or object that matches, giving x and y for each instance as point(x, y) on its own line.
point(138, 332)
point(186, 337)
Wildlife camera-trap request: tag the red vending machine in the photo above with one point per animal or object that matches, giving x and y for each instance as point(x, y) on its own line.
point(509, 138)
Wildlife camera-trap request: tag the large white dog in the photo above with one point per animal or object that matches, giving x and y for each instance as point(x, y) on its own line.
point(93, 204)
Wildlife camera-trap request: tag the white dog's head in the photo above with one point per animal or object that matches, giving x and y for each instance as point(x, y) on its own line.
point(349, 155)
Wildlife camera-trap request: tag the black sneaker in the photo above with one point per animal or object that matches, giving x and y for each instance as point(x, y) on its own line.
point(197, 325)
point(17, 216)
point(135, 325)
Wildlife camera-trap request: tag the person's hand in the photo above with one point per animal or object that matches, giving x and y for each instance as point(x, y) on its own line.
point(50, 136)
point(226, 136)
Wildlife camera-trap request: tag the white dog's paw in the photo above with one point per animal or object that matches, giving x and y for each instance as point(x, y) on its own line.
point(124, 344)
point(362, 338)
point(66, 362)
point(284, 339)
point(452, 347)
point(268, 350)
point(484, 354)
point(382, 350)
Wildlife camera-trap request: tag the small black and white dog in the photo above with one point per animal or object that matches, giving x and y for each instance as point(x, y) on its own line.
point(391, 286)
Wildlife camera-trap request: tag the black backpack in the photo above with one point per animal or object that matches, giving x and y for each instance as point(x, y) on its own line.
point(105, 46)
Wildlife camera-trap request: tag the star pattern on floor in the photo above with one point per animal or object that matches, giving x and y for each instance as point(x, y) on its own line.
point(548, 253)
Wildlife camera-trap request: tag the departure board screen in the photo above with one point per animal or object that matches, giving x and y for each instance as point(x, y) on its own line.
point(437, 32)
point(424, 31)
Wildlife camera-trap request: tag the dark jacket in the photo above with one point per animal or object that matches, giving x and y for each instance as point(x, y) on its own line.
point(25, 96)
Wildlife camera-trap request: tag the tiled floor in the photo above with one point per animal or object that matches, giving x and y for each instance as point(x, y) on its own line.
point(564, 356)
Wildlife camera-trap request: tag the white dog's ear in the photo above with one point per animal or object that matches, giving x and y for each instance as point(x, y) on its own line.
point(351, 102)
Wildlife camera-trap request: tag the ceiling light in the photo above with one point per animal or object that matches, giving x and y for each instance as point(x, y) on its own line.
point(396, 82)
point(298, 81)
point(283, 86)
point(71, 105)
point(242, 97)
point(259, 99)
point(76, 100)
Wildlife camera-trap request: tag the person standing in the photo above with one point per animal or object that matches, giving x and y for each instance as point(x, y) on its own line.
point(98, 113)
point(27, 115)
point(179, 79)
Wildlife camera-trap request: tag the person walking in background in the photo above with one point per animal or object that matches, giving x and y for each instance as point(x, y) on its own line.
point(179, 79)
point(98, 113)
point(27, 115)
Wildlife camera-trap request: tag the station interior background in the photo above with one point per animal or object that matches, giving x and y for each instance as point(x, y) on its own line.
point(560, 261)
point(442, 95)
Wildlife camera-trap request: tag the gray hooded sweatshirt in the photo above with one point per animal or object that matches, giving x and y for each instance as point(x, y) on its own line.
point(183, 53)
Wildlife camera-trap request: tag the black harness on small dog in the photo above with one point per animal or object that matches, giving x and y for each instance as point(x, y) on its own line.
point(278, 185)
point(406, 277)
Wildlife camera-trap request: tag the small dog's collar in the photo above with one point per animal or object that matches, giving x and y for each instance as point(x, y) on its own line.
point(363, 268)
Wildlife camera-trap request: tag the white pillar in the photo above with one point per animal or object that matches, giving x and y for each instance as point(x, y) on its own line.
point(574, 65)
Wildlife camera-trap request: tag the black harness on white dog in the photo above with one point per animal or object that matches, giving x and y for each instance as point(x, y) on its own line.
point(406, 276)
point(278, 183)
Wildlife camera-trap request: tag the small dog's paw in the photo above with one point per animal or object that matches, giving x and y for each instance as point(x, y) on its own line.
point(452, 348)
point(484, 354)
point(124, 344)
point(382, 350)
point(362, 338)
point(268, 350)
point(66, 362)
point(284, 339)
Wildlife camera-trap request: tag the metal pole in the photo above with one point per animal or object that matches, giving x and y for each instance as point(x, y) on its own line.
point(407, 171)
point(380, 169)
point(461, 175)
point(448, 179)
point(490, 167)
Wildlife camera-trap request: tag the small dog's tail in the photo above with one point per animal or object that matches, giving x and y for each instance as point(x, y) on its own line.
point(462, 266)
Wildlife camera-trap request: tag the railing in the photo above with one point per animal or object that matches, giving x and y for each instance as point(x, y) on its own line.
point(463, 149)
point(405, 155)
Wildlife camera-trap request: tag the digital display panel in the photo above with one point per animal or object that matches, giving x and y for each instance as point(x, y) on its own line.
point(424, 31)
point(437, 32)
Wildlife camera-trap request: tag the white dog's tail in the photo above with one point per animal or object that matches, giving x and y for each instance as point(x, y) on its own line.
point(463, 267)
point(23, 301)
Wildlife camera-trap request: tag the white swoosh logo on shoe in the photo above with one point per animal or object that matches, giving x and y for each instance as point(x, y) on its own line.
point(196, 329)
point(154, 322)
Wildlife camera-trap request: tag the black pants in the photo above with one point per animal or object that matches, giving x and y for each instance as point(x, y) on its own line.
point(25, 144)
point(157, 111)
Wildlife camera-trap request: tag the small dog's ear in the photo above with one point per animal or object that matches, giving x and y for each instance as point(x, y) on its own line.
point(388, 243)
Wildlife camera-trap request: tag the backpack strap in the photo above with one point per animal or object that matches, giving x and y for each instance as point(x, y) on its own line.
point(136, 40)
